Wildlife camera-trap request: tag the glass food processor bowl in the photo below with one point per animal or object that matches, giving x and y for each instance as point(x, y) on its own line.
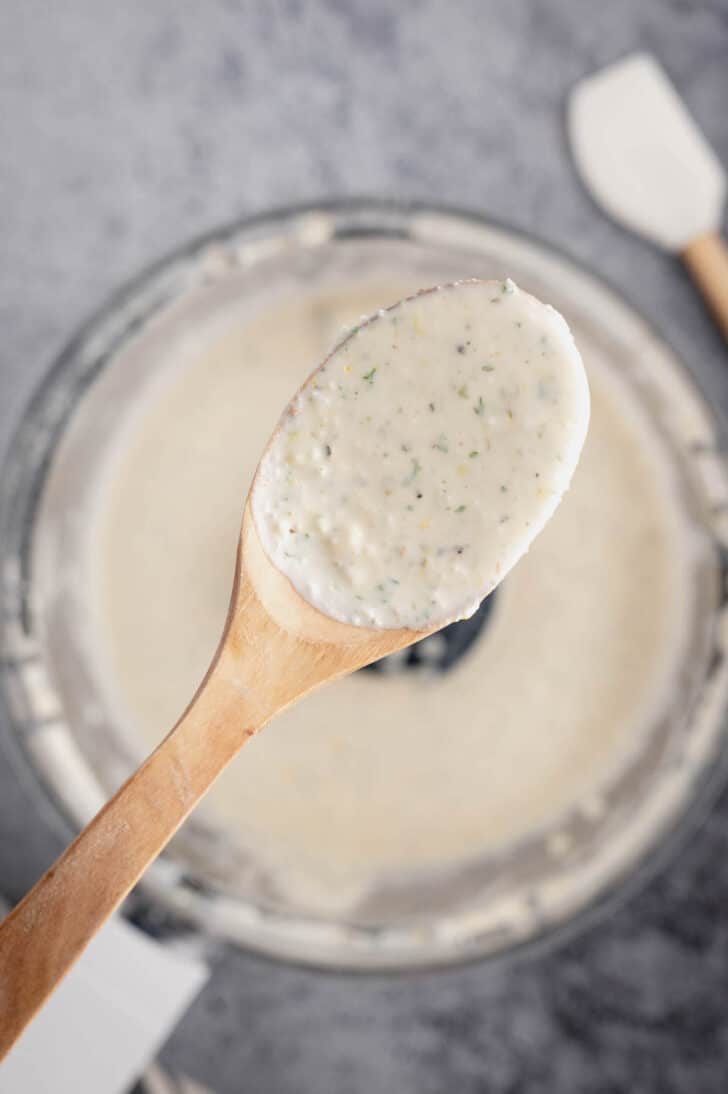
point(55, 693)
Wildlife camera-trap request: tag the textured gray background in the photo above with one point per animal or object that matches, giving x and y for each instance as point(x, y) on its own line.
point(126, 128)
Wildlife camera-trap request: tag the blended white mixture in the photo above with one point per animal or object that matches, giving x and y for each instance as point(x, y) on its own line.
point(418, 463)
point(386, 774)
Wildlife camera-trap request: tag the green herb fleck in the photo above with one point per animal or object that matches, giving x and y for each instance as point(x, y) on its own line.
point(369, 376)
point(441, 443)
point(508, 287)
point(474, 454)
point(461, 508)
point(487, 368)
point(479, 407)
point(504, 488)
point(416, 468)
point(463, 391)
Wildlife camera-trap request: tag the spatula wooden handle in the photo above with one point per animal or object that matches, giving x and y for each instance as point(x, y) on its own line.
point(45, 934)
point(707, 261)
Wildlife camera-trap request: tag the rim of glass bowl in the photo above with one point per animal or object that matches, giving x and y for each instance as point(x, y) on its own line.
point(29, 456)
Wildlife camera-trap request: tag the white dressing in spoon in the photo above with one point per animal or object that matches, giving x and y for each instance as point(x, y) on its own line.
point(417, 464)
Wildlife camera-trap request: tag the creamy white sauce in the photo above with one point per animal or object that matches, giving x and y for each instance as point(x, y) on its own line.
point(417, 464)
point(398, 775)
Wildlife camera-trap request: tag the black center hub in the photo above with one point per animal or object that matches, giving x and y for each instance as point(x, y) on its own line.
point(441, 650)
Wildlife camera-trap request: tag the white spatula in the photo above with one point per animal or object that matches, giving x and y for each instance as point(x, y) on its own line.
point(647, 163)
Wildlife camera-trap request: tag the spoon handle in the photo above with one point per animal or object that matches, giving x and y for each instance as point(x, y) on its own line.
point(45, 934)
point(262, 665)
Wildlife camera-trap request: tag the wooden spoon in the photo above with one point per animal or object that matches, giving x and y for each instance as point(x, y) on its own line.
point(275, 649)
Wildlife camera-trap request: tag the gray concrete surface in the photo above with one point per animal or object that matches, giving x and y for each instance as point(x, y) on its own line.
point(126, 128)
